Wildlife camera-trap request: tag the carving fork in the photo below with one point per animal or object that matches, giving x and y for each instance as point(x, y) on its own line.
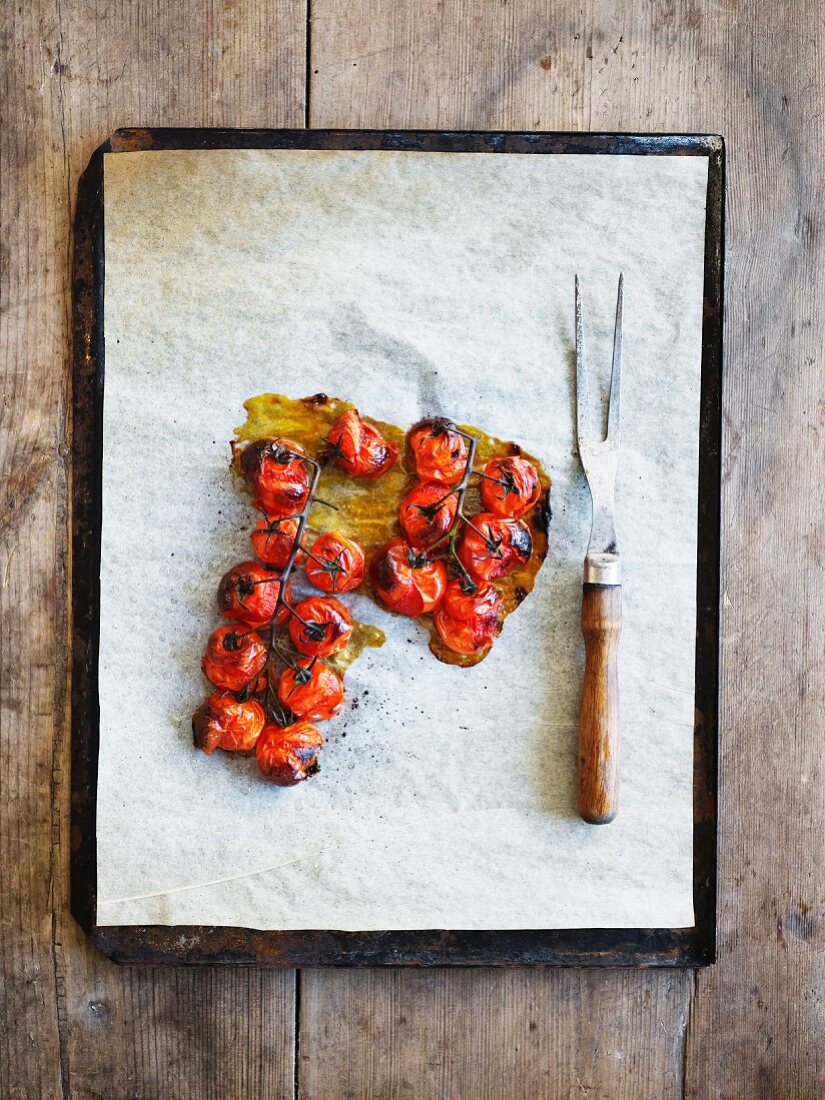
point(598, 756)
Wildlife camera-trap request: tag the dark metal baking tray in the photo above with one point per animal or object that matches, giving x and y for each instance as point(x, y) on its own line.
point(159, 944)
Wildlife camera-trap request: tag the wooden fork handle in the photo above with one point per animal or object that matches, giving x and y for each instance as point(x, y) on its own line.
point(599, 722)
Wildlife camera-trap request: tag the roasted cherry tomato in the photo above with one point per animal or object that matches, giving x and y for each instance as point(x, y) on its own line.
point(223, 722)
point(439, 452)
point(320, 626)
point(248, 594)
point(467, 620)
point(493, 546)
point(406, 580)
point(358, 448)
point(272, 541)
point(311, 690)
point(233, 658)
point(510, 486)
point(279, 481)
point(288, 755)
point(335, 563)
point(427, 512)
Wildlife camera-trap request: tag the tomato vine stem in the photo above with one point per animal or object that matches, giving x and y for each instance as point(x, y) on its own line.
point(280, 713)
point(460, 491)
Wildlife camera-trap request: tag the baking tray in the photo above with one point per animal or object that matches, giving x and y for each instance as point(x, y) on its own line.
point(185, 945)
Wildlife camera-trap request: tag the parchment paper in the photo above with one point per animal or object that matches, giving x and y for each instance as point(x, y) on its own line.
point(411, 284)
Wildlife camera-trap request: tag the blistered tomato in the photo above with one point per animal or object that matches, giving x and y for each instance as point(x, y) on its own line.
point(288, 755)
point(439, 452)
point(405, 579)
point(276, 476)
point(427, 512)
point(358, 448)
point(248, 594)
point(273, 539)
point(335, 563)
point(510, 486)
point(224, 722)
point(320, 626)
point(233, 658)
point(311, 690)
point(491, 546)
point(467, 621)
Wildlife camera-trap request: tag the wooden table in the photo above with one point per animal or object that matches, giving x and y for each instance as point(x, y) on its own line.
point(754, 1025)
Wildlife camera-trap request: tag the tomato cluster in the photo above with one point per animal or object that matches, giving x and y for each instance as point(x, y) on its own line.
point(256, 599)
point(406, 575)
point(445, 563)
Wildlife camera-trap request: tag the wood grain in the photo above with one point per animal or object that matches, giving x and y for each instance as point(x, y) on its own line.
point(598, 754)
point(755, 1024)
point(484, 1035)
point(73, 1023)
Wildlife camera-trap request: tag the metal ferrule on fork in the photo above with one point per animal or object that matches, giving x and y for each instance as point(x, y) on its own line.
point(602, 569)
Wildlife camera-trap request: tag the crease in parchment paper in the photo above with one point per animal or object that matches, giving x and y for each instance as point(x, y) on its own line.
point(411, 284)
point(297, 859)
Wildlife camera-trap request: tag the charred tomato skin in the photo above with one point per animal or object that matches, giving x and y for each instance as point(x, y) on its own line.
point(248, 593)
point(224, 722)
point(439, 452)
point(405, 580)
point(358, 448)
point(502, 545)
point(233, 658)
point(467, 621)
point(278, 481)
point(516, 489)
point(320, 626)
point(287, 755)
point(311, 690)
point(427, 512)
point(344, 568)
point(272, 540)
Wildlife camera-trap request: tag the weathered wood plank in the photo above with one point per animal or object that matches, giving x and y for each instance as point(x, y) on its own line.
point(366, 1035)
point(73, 1023)
point(758, 1026)
point(33, 212)
point(756, 1021)
point(539, 1034)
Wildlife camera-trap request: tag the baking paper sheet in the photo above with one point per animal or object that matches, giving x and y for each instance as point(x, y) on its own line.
point(411, 284)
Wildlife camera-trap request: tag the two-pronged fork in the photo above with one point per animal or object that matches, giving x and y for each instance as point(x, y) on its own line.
point(598, 761)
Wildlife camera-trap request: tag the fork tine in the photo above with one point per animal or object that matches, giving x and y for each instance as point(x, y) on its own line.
point(582, 410)
point(615, 409)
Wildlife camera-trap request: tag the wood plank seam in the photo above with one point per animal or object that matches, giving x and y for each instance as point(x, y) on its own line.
point(686, 1029)
point(61, 634)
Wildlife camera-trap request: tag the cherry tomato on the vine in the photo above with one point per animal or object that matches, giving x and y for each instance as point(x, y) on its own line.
point(510, 486)
point(288, 754)
point(467, 621)
point(248, 594)
point(310, 690)
point(405, 579)
point(427, 512)
point(279, 481)
point(358, 448)
point(272, 540)
point(233, 658)
point(491, 546)
point(335, 563)
point(320, 626)
point(439, 452)
point(224, 722)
